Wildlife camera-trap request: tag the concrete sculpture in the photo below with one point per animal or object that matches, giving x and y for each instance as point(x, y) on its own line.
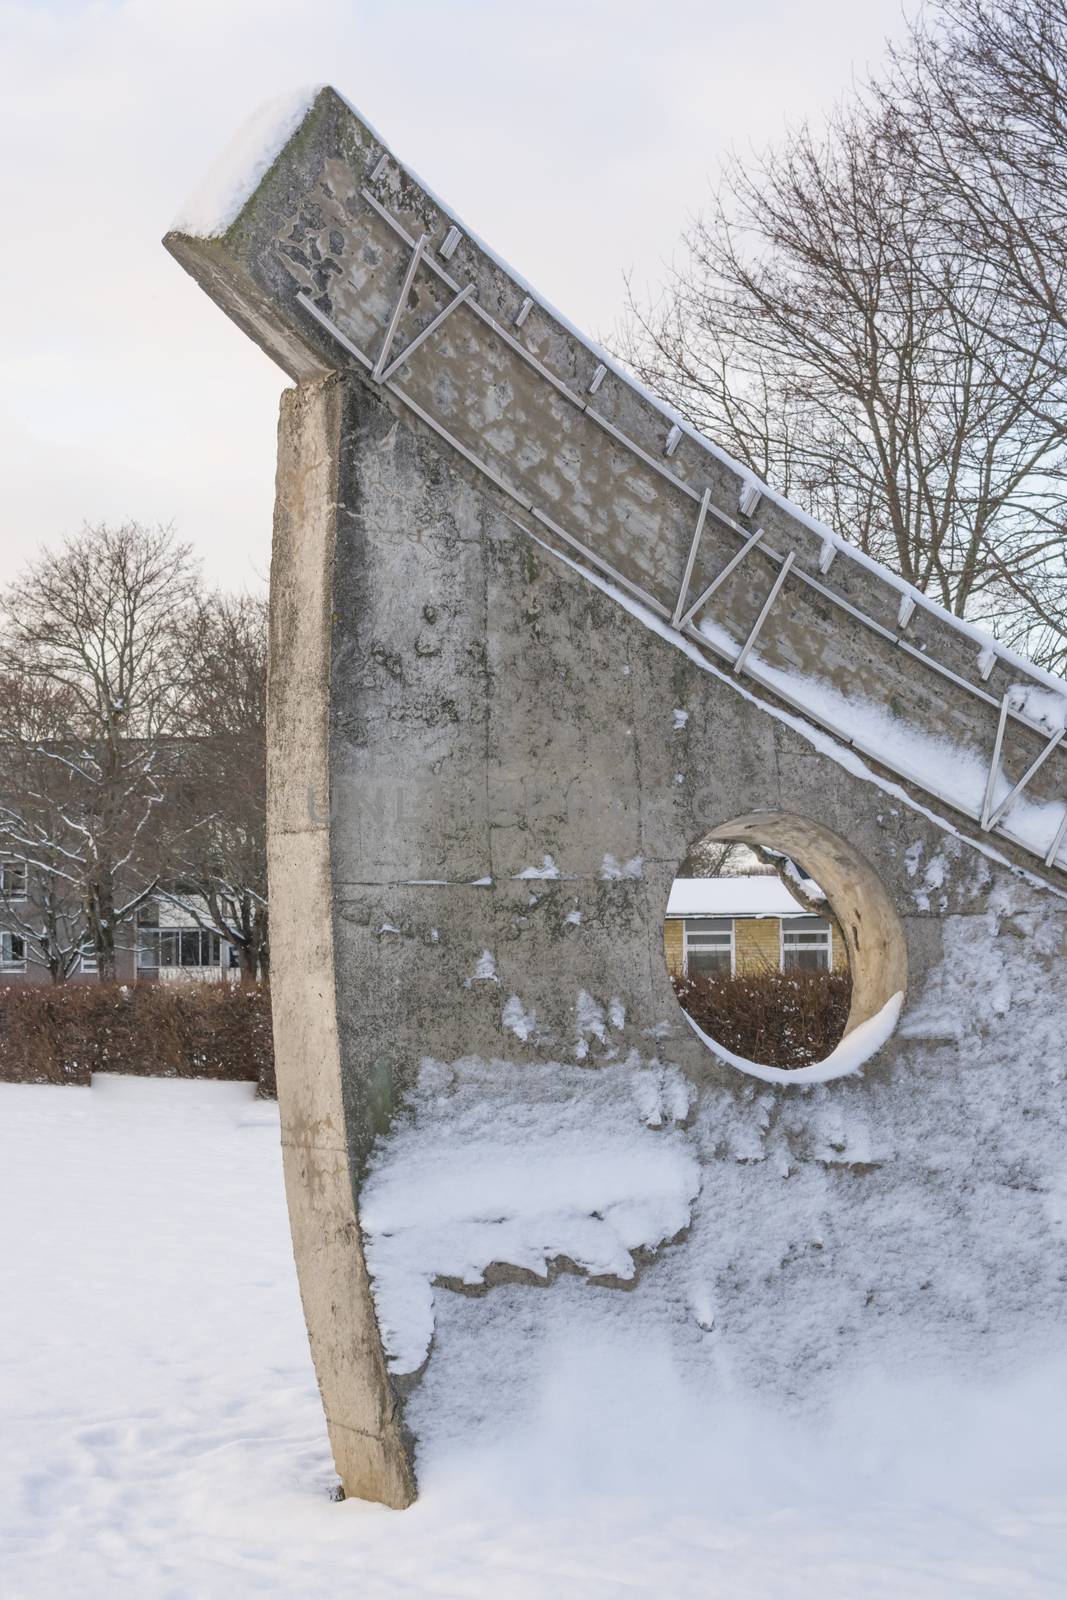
point(530, 638)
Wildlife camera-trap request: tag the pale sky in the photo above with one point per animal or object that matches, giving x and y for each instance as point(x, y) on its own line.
point(573, 137)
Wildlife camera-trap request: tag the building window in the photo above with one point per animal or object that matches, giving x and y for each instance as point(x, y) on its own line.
point(12, 952)
point(709, 947)
point(12, 879)
point(178, 947)
point(87, 959)
point(807, 945)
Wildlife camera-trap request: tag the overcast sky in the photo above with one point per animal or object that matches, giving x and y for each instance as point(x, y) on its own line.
point(573, 135)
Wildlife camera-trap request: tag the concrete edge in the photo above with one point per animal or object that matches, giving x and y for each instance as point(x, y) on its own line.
point(362, 1411)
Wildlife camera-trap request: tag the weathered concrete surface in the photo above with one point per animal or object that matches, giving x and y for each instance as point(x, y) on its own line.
point(319, 1145)
point(490, 707)
point(453, 702)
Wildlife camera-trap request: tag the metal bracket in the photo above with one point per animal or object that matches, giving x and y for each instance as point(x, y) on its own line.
point(447, 248)
point(749, 498)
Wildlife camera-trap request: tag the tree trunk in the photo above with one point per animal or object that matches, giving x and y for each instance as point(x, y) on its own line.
point(102, 924)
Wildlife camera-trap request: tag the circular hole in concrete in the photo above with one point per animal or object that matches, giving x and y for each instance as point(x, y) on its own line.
point(784, 950)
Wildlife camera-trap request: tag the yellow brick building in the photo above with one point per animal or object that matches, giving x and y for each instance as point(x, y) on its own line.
point(747, 925)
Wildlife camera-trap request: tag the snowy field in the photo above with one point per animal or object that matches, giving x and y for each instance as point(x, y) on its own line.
point(161, 1434)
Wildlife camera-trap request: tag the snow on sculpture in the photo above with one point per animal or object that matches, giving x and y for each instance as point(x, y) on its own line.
point(522, 614)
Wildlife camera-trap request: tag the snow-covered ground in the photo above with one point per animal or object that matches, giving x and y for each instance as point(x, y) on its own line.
point(161, 1434)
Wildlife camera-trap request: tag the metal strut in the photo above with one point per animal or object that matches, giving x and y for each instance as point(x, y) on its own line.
point(431, 327)
point(693, 548)
point(1054, 849)
point(994, 765)
point(721, 577)
point(783, 573)
point(1038, 762)
point(390, 332)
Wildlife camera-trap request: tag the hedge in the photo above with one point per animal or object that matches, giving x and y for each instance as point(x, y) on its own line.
point(780, 1019)
point(62, 1034)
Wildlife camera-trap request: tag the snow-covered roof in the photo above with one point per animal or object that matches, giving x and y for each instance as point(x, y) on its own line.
point(759, 895)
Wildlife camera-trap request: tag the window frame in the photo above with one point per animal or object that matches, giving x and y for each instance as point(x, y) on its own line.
point(788, 924)
point(697, 937)
point(11, 962)
point(175, 937)
point(19, 862)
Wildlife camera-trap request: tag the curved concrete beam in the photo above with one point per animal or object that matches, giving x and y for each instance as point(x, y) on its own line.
point(320, 1153)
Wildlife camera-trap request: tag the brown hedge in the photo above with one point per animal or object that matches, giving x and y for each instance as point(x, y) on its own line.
point(780, 1019)
point(157, 1030)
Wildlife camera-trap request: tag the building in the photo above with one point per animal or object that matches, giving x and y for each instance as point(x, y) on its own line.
point(724, 927)
point(165, 944)
point(172, 945)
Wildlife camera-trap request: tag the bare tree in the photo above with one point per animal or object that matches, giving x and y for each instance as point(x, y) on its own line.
point(979, 96)
point(721, 858)
point(978, 99)
point(222, 873)
point(824, 326)
point(98, 625)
